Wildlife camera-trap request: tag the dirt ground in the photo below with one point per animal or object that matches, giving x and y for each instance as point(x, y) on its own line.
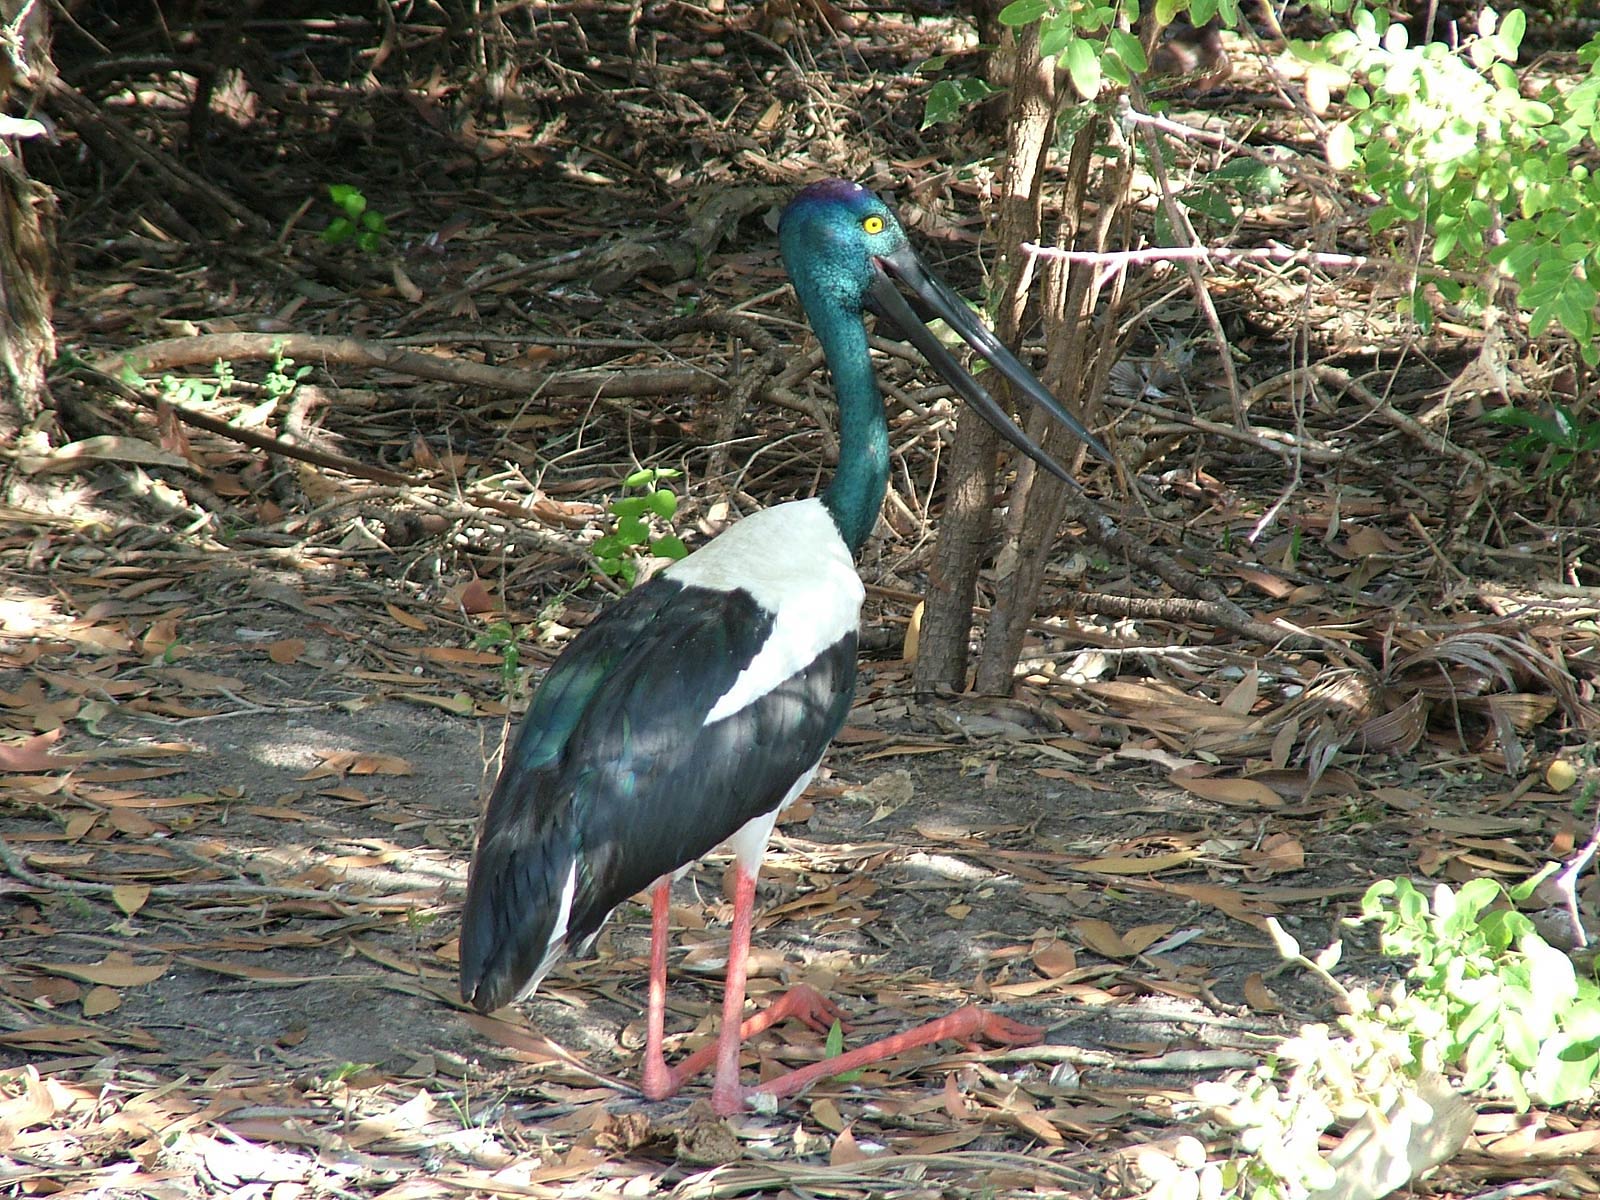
point(305, 840)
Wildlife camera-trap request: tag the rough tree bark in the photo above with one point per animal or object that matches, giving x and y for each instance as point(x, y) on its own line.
point(1082, 350)
point(27, 337)
point(964, 526)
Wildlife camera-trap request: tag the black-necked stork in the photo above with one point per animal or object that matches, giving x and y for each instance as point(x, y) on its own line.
point(696, 708)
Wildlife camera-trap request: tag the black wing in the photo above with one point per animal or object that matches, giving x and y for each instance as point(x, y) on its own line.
point(616, 774)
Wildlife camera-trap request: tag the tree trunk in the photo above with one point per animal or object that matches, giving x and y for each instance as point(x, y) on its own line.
point(27, 337)
point(1082, 350)
point(964, 525)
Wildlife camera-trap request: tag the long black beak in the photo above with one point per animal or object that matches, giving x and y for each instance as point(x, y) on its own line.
point(937, 297)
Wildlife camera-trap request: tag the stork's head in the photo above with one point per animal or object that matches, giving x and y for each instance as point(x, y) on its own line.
point(846, 251)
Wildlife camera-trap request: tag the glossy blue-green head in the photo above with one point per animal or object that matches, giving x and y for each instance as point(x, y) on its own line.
point(832, 234)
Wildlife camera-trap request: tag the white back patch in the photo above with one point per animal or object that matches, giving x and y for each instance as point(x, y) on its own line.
point(791, 559)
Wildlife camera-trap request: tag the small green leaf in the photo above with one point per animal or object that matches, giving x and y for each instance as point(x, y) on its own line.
point(1209, 202)
point(1328, 958)
point(1553, 978)
point(1023, 12)
point(948, 98)
point(833, 1046)
point(1376, 896)
point(1473, 897)
point(1129, 49)
point(348, 198)
point(1582, 1020)
point(669, 546)
point(1307, 52)
point(1512, 26)
point(1282, 939)
point(1521, 1032)
point(630, 506)
point(1566, 1070)
point(1478, 1062)
point(1054, 36)
point(1083, 66)
point(663, 503)
point(1534, 112)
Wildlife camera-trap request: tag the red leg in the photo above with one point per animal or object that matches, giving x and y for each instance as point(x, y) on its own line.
point(965, 1024)
point(727, 1097)
point(658, 1082)
point(803, 1002)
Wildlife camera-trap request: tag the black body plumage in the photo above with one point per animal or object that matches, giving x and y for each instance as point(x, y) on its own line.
point(616, 773)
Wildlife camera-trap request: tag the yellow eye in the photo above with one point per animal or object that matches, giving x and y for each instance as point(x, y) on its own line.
point(872, 224)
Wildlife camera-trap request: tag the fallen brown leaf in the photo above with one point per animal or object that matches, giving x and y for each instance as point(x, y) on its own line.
point(117, 969)
point(1238, 793)
point(287, 651)
point(31, 754)
point(1258, 996)
point(845, 1150)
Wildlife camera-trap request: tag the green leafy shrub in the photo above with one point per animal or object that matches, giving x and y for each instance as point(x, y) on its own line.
point(1486, 996)
point(355, 222)
point(283, 377)
point(502, 638)
point(280, 381)
point(188, 391)
point(1555, 445)
point(617, 553)
point(1446, 138)
point(1486, 1001)
point(1222, 195)
point(1091, 39)
point(947, 99)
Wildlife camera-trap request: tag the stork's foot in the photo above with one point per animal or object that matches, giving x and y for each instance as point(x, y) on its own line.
point(802, 1003)
point(657, 1080)
point(1003, 1031)
point(967, 1024)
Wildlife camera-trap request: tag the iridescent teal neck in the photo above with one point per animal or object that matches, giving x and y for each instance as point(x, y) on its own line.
point(820, 235)
point(856, 493)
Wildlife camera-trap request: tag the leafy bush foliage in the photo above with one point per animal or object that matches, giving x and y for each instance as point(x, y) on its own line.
point(1485, 995)
point(1446, 138)
point(355, 222)
point(617, 553)
point(1562, 447)
point(1485, 1002)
